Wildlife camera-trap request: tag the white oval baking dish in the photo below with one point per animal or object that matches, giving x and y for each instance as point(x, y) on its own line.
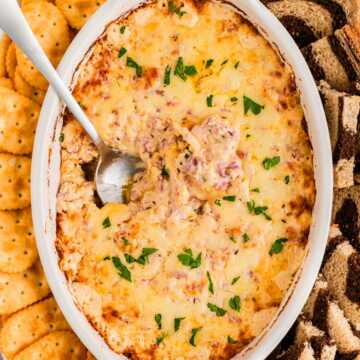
point(45, 177)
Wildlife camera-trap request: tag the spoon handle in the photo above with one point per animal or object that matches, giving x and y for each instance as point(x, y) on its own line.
point(13, 22)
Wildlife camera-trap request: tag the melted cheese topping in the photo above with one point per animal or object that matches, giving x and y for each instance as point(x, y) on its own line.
point(225, 202)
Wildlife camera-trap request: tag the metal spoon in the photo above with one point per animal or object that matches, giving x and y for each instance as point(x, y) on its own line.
point(114, 169)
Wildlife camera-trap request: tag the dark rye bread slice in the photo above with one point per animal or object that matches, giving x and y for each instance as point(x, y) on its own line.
point(342, 112)
point(327, 316)
point(346, 213)
point(324, 348)
point(335, 59)
point(298, 352)
point(305, 20)
point(342, 272)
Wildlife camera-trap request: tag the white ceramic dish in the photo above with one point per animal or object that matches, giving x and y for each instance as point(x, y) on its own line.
point(45, 178)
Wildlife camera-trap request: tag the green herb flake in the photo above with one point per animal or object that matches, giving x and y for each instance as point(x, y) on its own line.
point(246, 237)
point(277, 246)
point(130, 62)
point(255, 190)
point(175, 9)
point(235, 280)
point(180, 69)
point(160, 338)
point(190, 70)
point(209, 100)
point(268, 163)
point(234, 303)
point(230, 340)
point(258, 210)
point(107, 258)
point(61, 137)
point(122, 29)
point(234, 99)
point(167, 75)
point(209, 62)
point(106, 223)
point(231, 198)
point(123, 271)
point(236, 64)
point(225, 62)
point(248, 135)
point(144, 257)
point(287, 179)
point(165, 172)
point(232, 239)
point(129, 259)
point(194, 332)
point(177, 322)
point(125, 241)
point(251, 105)
point(211, 284)
point(217, 202)
point(157, 319)
point(187, 259)
point(217, 310)
point(122, 52)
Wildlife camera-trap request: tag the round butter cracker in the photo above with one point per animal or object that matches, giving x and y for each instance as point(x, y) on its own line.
point(17, 243)
point(14, 182)
point(77, 12)
point(29, 325)
point(50, 28)
point(18, 118)
point(6, 83)
point(23, 88)
point(57, 345)
point(20, 290)
point(4, 45)
point(11, 61)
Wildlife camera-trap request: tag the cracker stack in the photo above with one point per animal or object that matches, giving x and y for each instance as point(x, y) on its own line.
point(31, 323)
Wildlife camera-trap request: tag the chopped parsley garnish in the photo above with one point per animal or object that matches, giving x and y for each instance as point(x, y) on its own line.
point(235, 280)
point(107, 258)
point(125, 241)
point(190, 70)
point(122, 52)
point(256, 190)
point(211, 284)
point(193, 335)
point(268, 163)
point(257, 210)
point(177, 322)
point(143, 258)
point(236, 65)
point(217, 310)
point(209, 100)
point(230, 340)
point(61, 137)
point(286, 179)
point(130, 62)
point(180, 68)
point(217, 202)
point(122, 29)
point(167, 75)
point(251, 105)
point(234, 303)
point(231, 198)
point(161, 338)
point(277, 246)
point(175, 9)
point(187, 259)
point(234, 99)
point(246, 237)
point(232, 238)
point(123, 271)
point(225, 62)
point(248, 135)
point(165, 172)
point(157, 319)
point(209, 62)
point(106, 223)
